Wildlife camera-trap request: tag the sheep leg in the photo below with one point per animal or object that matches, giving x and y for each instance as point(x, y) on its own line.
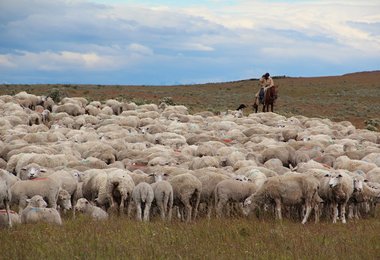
point(278, 209)
point(342, 211)
point(162, 206)
point(317, 212)
point(138, 211)
point(129, 208)
point(8, 214)
point(195, 211)
point(351, 211)
point(219, 208)
point(188, 210)
point(308, 211)
point(147, 211)
point(335, 212)
point(209, 208)
point(169, 208)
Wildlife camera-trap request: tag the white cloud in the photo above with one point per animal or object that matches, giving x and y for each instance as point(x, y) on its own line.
point(80, 35)
point(57, 61)
point(136, 48)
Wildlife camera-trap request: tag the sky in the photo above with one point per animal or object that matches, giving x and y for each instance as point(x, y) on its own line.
point(167, 42)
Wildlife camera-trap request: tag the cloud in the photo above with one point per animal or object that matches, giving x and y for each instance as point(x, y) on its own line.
point(56, 61)
point(168, 41)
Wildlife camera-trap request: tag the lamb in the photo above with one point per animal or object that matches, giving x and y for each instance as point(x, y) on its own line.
point(143, 196)
point(36, 211)
point(186, 193)
point(232, 190)
point(298, 189)
point(163, 196)
point(342, 187)
point(46, 187)
point(64, 200)
point(96, 213)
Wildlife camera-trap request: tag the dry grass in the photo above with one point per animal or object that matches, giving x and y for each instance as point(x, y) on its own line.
point(238, 238)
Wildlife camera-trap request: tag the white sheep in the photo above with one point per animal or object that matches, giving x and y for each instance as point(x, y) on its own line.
point(36, 211)
point(232, 190)
point(85, 207)
point(187, 192)
point(342, 187)
point(163, 196)
point(209, 181)
point(298, 189)
point(143, 196)
point(343, 162)
point(23, 190)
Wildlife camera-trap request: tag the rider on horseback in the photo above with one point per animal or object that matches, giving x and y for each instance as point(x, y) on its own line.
point(265, 83)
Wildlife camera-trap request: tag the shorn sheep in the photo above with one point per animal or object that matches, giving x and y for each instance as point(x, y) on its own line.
point(342, 187)
point(46, 187)
point(163, 196)
point(187, 193)
point(36, 211)
point(290, 190)
point(143, 196)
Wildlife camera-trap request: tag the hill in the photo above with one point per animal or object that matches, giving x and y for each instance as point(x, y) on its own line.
point(354, 97)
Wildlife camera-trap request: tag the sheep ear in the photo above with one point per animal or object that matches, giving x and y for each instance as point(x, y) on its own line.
point(23, 169)
point(327, 175)
point(340, 176)
point(28, 200)
point(43, 170)
point(166, 175)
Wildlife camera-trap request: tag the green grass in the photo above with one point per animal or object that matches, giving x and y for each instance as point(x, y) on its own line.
point(240, 238)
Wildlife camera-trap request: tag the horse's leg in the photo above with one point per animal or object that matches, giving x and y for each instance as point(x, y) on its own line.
point(271, 107)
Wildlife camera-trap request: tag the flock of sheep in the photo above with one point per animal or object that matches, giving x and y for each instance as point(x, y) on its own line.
point(150, 160)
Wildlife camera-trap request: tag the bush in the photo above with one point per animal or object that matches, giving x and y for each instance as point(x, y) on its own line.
point(372, 124)
point(57, 94)
point(167, 100)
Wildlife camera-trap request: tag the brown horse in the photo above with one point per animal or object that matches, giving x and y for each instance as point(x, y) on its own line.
point(269, 98)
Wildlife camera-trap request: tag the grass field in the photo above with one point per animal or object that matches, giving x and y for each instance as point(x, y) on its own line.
point(240, 238)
